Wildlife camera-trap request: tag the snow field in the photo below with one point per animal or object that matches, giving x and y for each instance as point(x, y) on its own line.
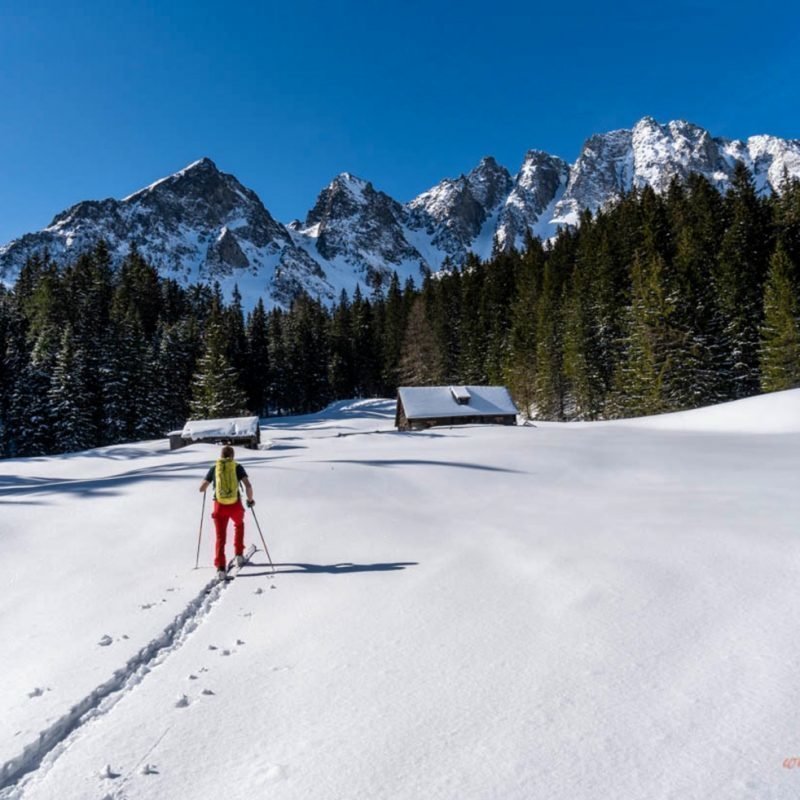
point(566, 611)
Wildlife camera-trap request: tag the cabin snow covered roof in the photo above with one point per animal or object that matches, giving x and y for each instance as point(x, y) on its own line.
point(220, 428)
point(430, 402)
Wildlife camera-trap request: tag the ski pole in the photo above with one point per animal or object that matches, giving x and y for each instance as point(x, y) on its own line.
point(200, 534)
point(266, 549)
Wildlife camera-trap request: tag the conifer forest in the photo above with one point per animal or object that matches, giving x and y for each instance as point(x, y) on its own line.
point(659, 303)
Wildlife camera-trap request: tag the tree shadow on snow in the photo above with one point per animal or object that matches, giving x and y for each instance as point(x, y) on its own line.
point(344, 568)
point(418, 462)
point(15, 485)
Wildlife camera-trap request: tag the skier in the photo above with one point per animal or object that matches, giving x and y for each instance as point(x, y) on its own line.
point(225, 476)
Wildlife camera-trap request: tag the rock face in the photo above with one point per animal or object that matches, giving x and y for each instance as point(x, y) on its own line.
point(198, 224)
point(458, 216)
point(652, 155)
point(354, 227)
point(528, 209)
point(202, 224)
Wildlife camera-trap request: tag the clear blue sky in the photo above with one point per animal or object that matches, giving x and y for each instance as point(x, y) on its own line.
point(98, 99)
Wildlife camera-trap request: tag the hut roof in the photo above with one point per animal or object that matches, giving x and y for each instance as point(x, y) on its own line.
point(430, 402)
point(220, 428)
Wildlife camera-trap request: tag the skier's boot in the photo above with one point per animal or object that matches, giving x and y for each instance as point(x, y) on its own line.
point(221, 575)
point(238, 562)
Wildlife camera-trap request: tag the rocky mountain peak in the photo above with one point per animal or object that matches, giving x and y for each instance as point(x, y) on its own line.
point(489, 183)
point(354, 223)
point(342, 197)
point(538, 186)
point(202, 223)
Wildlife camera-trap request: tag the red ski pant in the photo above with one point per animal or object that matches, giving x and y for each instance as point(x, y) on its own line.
point(221, 514)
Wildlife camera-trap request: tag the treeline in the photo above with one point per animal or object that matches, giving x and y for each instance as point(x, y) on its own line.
point(661, 303)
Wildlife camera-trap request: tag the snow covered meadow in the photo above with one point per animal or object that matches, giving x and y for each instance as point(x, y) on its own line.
point(600, 610)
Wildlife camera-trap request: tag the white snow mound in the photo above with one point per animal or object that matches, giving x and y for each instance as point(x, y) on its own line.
point(778, 412)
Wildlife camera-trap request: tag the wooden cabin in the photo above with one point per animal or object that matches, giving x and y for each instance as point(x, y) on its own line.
point(244, 431)
point(420, 407)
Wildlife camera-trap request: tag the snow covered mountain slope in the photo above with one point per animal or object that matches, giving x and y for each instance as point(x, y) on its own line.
point(529, 207)
point(352, 227)
point(199, 223)
point(454, 213)
point(203, 224)
point(469, 612)
point(652, 155)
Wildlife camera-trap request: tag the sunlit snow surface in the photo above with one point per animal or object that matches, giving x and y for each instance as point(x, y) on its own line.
point(561, 611)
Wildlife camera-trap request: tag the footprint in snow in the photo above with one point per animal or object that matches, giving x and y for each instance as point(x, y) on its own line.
point(182, 701)
point(149, 769)
point(37, 692)
point(108, 773)
point(146, 606)
point(225, 652)
point(105, 641)
point(212, 647)
point(259, 591)
point(276, 772)
point(192, 677)
point(207, 692)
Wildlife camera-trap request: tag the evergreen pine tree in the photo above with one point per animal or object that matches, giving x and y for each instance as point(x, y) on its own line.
point(256, 374)
point(216, 392)
point(473, 325)
point(341, 366)
point(30, 409)
point(644, 376)
point(393, 330)
point(519, 370)
point(742, 267)
point(278, 400)
point(179, 350)
point(549, 377)
point(72, 418)
point(780, 331)
point(421, 359)
point(125, 380)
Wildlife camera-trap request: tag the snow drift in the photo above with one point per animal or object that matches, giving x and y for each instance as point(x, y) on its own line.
point(567, 611)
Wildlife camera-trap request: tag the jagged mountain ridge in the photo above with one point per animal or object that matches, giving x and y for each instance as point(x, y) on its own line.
point(203, 224)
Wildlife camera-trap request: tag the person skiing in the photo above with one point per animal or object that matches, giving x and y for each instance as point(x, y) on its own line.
point(225, 477)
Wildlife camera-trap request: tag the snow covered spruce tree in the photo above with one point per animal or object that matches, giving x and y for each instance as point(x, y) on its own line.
point(216, 391)
point(519, 370)
point(780, 331)
point(701, 361)
point(31, 415)
point(72, 416)
point(306, 340)
point(395, 316)
point(421, 359)
point(549, 376)
point(742, 266)
point(643, 378)
point(341, 360)
point(255, 378)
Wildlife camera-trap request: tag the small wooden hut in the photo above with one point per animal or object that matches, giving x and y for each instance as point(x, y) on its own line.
point(420, 407)
point(243, 431)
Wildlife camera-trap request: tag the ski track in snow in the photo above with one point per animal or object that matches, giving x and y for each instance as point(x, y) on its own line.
point(39, 755)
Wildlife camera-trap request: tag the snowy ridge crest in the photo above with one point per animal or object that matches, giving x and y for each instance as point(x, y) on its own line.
point(203, 224)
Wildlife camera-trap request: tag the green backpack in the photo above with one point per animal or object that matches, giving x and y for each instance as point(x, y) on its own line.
point(226, 486)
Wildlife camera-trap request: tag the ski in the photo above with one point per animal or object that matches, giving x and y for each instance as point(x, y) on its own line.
point(233, 570)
